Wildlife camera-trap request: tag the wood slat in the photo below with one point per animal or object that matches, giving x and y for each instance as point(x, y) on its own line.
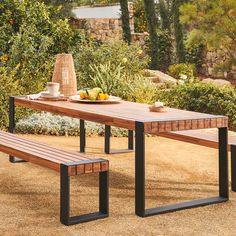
point(41, 152)
point(55, 151)
point(197, 137)
point(47, 156)
point(168, 126)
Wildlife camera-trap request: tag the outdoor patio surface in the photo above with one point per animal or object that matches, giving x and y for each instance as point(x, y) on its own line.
point(176, 171)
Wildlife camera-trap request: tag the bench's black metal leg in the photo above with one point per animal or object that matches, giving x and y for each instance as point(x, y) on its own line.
point(108, 142)
point(12, 126)
point(64, 195)
point(233, 168)
point(82, 136)
point(65, 217)
point(104, 192)
point(140, 177)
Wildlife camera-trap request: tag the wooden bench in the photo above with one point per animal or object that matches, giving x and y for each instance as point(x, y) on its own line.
point(68, 164)
point(208, 140)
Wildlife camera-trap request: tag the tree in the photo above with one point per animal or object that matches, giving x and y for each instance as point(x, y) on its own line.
point(125, 20)
point(165, 14)
point(212, 23)
point(150, 12)
point(178, 30)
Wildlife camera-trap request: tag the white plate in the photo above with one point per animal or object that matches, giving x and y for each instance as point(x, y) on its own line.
point(48, 95)
point(112, 99)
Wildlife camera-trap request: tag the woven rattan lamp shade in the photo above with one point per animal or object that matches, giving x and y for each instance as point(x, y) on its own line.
point(64, 74)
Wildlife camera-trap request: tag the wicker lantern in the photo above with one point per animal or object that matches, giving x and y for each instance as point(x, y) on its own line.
point(64, 74)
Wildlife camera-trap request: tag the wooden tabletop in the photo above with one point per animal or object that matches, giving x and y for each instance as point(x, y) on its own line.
point(126, 114)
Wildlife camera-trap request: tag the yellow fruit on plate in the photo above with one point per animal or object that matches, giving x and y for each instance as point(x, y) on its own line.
point(106, 96)
point(92, 95)
point(83, 94)
point(101, 96)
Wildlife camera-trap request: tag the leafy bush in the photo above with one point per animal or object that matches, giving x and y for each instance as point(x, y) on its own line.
point(142, 90)
point(185, 73)
point(206, 98)
point(165, 49)
point(117, 53)
point(31, 35)
point(194, 55)
point(48, 124)
point(109, 78)
point(140, 21)
point(8, 87)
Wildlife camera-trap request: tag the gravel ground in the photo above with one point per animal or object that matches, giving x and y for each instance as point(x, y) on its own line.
point(176, 171)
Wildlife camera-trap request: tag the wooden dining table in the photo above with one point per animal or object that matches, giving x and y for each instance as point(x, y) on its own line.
point(138, 118)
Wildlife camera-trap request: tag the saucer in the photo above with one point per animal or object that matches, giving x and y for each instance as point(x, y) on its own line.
point(46, 94)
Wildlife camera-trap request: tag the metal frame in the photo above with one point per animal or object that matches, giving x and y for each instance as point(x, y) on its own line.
point(140, 177)
point(103, 212)
point(11, 128)
point(107, 144)
point(82, 136)
point(233, 167)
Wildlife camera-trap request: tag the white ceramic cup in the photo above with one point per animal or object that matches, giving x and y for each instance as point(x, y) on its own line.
point(53, 88)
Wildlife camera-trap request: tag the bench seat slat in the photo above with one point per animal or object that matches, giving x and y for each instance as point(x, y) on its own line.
point(50, 157)
point(197, 137)
point(42, 146)
point(40, 151)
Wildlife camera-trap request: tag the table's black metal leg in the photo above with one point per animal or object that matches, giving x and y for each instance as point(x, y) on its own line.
point(139, 169)
point(12, 126)
point(82, 136)
point(233, 168)
point(107, 139)
point(131, 140)
point(223, 163)
point(107, 147)
point(103, 212)
point(140, 177)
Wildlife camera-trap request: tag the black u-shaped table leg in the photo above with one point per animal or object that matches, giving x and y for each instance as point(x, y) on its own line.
point(12, 126)
point(140, 209)
point(107, 147)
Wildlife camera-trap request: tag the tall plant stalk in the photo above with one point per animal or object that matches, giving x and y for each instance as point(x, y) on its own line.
point(149, 6)
point(125, 20)
point(178, 30)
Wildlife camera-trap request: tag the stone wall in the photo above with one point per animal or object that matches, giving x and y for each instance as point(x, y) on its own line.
point(214, 58)
point(104, 29)
point(141, 39)
point(101, 29)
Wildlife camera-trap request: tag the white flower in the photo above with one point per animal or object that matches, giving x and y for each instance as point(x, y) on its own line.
point(180, 82)
point(183, 76)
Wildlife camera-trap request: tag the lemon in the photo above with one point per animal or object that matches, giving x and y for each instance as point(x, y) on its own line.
point(106, 96)
point(101, 96)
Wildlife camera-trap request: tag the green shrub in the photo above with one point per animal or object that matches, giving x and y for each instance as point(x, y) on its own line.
point(109, 78)
point(31, 36)
point(185, 73)
point(204, 98)
point(165, 49)
point(194, 55)
point(8, 87)
point(142, 90)
point(48, 124)
point(117, 53)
